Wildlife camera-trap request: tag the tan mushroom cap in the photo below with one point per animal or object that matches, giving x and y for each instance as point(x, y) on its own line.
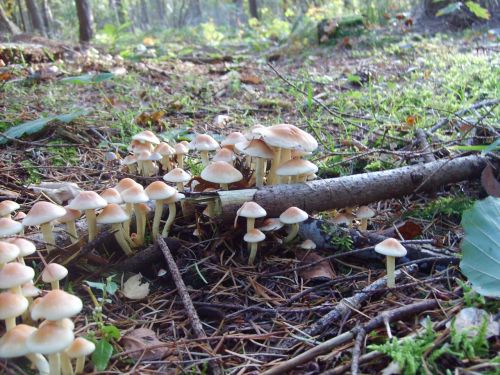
point(112, 214)
point(308, 245)
point(365, 212)
point(8, 252)
point(159, 190)
point(56, 305)
point(181, 148)
point(111, 195)
point(165, 149)
point(71, 215)
point(15, 274)
point(233, 138)
point(256, 148)
point(128, 160)
point(252, 210)
point(13, 343)
point(30, 290)
point(12, 305)
point(143, 155)
point(135, 194)
point(254, 235)
point(391, 247)
point(155, 156)
point(124, 184)
point(87, 200)
point(54, 272)
point(177, 175)
point(224, 154)
point(220, 172)
point(288, 136)
point(26, 247)
point(50, 338)
point(271, 224)
point(296, 167)
point(19, 216)
point(7, 207)
point(293, 215)
point(9, 227)
point(138, 147)
point(204, 142)
point(340, 219)
point(80, 347)
point(146, 136)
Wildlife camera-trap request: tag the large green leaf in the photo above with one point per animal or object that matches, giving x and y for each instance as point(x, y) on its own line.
point(102, 354)
point(34, 126)
point(478, 10)
point(481, 246)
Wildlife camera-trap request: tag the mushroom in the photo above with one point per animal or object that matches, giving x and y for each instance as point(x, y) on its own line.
point(297, 169)
point(53, 273)
point(19, 216)
point(221, 173)
point(293, 216)
point(392, 249)
point(70, 220)
point(8, 252)
point(177, 176)
point(159, 191)
point(308, 245)
point(123, 185)
point(364, 213)
point(25, 247)
point(79, 349)
point(89, 201)
point(111, 195)
point(259, 150)
point(13, 275)
point(9, 227)
point(271, 224)
point(11, 306)
point(146, 137)
point(224, 154)
point(115, 215)
point(130, 161)
point(172, 210)
point(251, 211)
point(181, 150)
point(341, 219)
point(7, 207)
point(204, 143)
point(166, 151)
point(253, 237)
point(137, 195)
point(232, 139)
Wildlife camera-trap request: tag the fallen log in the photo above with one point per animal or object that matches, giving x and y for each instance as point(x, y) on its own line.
point(349, 191)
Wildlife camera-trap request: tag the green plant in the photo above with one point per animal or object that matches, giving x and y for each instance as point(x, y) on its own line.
point(469, 345)
point(451, 207)
point(34, 175)
point(471, 297)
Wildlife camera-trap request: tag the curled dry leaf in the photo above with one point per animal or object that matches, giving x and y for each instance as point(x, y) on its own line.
point(133, 288)
point(142, 343)
point(59, 192)
point(322, 270)
point(489, 182)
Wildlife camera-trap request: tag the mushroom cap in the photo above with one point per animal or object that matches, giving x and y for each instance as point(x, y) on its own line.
point(112, 214)
point(177, 175)
point(12, 305)
point(296, 167)
point(128, 160)
point(9, 227)
point(87, 200)
point(255, 132)
point(135, 194)
point(252, 210)
point(54, 272)
point(8, 252)
point(160, 190)
point(146, 136)
point(165, 149)
point(308, 245)
point(293, 215)
point(391, 247)
point(254, 235)
point(56, 305)
point(340, 219)
point(365, 212)
point(233, 138)
point(220, 172)
point(288, 136)
point(138, 147)
point(224, 154)
point(71, 215)
point(155, 156)
point(181, 148)
point(176, 198)
point(203, 142)
point(25, 247)
point(256, 148)
point(6, 207)
point(124, 184)
point(30, 290)
point(143, 155)
point(15, 274)
point(19, 216)
point(50, 338)
point(271, 224)
point(13, 343)
point(80, 347)
point(111, 195)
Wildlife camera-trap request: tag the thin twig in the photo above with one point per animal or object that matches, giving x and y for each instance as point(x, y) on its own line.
point(356, 351)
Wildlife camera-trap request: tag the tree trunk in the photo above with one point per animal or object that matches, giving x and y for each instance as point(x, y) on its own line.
point(144, 15)
point(47, 17)
point(22, 17)
point(6, 25)
point(35, 16)
point(350, 191)
point(85, 20)
point(253, 8)
point(120, 10)
point(193, 12)
point(160, 11)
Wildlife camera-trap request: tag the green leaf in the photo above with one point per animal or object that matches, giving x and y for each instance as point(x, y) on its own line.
point(34, 126)
point(449, 9)
point(480, 246)
point(109, 286)
point(111, 332)
point(88, 78)
point(102, 355)
point(478, 10)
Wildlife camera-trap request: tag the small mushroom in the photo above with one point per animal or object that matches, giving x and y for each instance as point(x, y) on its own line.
point(392, 249)
point(9, 227)
point(137, 195)
point(53, 273)
point(221, 173)
point(203, 143)
point(25, 247)
point(364, 213)
point(8, 253)
point(159, 192)
point(253, 237)
point(113, 214)
point(89, 201)
point(293, 216)
point(79, 349)
point(172, 211)
point(178, 177)
point(11, 306)
point(70, 220)
point(7, 207)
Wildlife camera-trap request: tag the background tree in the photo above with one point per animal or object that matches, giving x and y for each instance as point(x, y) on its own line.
point(253, 8)
point(6, 25)
point(35, 16)
point(86, 20)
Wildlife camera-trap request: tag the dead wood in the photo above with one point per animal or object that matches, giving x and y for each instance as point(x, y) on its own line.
point(350, 191)
point(421, 140)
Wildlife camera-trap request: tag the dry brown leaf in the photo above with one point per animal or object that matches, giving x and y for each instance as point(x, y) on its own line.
point(489, 182)
point(322, 270)
point(144, 344)
point(250, 79)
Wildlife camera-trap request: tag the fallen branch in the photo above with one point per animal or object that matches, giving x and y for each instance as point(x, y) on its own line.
point(421, 140)
point(391, 316)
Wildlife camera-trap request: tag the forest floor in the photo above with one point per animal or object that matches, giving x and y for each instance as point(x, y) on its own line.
point(362, 98)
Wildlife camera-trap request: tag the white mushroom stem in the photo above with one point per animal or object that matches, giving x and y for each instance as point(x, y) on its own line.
point(80, 365)
point(157, 218)
point(224, 186)
point(121, 239)
point(285, 155)
point(204, 158)
point(364, 224)
point(250, 223)
point(259, 172)
point(67, 368)
point(71, 229)
point(180, 160)
point(271, 180)
point(165, 163)
point(140, 223)
point(294, 229)
point(39, 362)
point(54, 285)
point(129, 209)
point(92, 224)
point(180, 186)
point(55, 364)
point(148, 168)
point(48, 236)
point(253, 253)
point(10, 323)
point(391, 266)
point(211, 208)
point(172, 211)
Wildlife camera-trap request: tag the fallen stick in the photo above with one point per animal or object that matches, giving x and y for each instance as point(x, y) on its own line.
point(391, 316)
point(421, 140)
point(351, 191)
point(186, 299)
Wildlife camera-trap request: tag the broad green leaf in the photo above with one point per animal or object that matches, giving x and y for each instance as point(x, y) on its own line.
point(478, 10)
point(102, 355)
point(111, 332)
point(88, 78)
point(109, 286)
point(449, 9)
point(34, 126)
point(481, 246)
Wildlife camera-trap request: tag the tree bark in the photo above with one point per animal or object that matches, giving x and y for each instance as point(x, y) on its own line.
point(350, 191)
point(120, 10)
point(6, 25)
point(144, 15)
point(47, 17)
point(253, 8)
point(85, 20)
point(35, 16)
